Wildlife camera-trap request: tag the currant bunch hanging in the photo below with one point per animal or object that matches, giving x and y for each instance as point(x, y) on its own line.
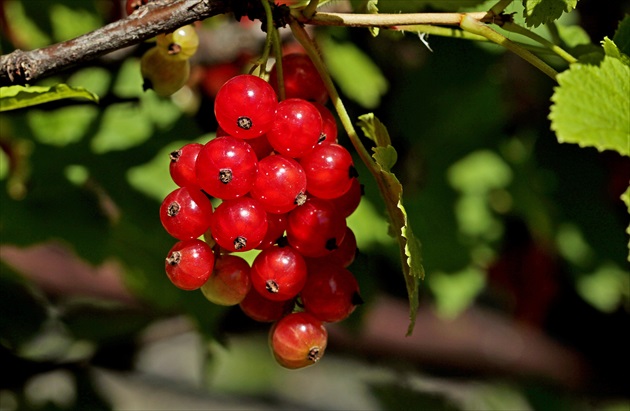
point(285, 188)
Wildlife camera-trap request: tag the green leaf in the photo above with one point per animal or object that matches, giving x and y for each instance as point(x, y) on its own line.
point(539, 12)
point(611, 50)
point(15, 97)
point(622, 36)
point(355, 72)
point(626, 199)
point(392, 190)
point(591, 106)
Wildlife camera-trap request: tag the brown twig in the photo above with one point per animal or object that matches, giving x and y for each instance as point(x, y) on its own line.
point(21, 67)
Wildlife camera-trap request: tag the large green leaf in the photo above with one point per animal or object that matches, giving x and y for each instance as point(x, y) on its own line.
point(539, 12)
point(591, 106)
point(622, 36)
point(15, 97)
point(392, 190)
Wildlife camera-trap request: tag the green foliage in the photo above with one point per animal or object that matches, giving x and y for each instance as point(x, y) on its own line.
point(592, 106)
point(353, 69)
point(625, 197)
point(539, 12)
point(392, 192)
point(16, 97)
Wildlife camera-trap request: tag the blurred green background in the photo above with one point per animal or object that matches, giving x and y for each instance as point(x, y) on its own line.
point(527, 294)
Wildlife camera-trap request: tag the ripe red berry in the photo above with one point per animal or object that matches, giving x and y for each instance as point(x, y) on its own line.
point(239, 224)
point(276, 225)
point(264, 310)
point(229, 282)
point(329, 125)
point(280, 185)
point(226, 167)
point(189, 264)
point(278, 273)
point(261, 146)
point(315, 229)
point(298, 340)
point(331, 292)
point(245, 106)
point(342, 256)
point(348, 202)
point(296, 128)
point(186, 213)
point(329, 170)
point(182, 166)
point(301, 79)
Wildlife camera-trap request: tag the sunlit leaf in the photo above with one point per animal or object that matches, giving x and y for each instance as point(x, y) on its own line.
point(591, 107)
point(391, 190)
point(539, 12)
point(15, 97)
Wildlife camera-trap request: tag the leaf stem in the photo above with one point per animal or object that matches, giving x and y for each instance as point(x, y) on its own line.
point(476, 27)
point(311, 49)
point(515, 28)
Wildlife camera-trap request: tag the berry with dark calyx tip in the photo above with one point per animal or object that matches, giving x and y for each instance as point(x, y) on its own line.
point(296, 128)
point(315, 229)
point(226, 167)
point(239, 224)
point(329, 171)
point(301, 79)
point(182, 166)
point(264, 310)
point(163, 75)
point(280, 185)
point(344, 255)
point(229, 282)
point(186, 213)
point(278, 273)
point(276, 225)
point(298, 340)
point(180, 44)
point(245, 106)
point(348, 202)
point(331, 292)
point(329, 125)
point(189, 264)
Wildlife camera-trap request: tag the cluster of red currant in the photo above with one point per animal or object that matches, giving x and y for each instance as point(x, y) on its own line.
point(286, 188)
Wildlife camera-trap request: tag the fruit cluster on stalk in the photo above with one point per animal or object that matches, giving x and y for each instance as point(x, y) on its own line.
point(286, 188)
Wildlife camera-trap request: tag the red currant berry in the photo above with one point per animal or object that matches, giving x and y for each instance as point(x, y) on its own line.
point(301, 79)
point(331, 292)
point(296, 128)
point(276, 225)
point(245, 106)
point(261, 146)
point(347, 251)
point(189, 264)
point(280, 185)
point(329, 171)
point(278, 273)
point(329, 125)
point(264, 310)
point(216, 75)
point(226, 167)
point(315, 229)
point(186, 213)
point(298, 340)
point(229, 282)
point(182, 167)
point(239, 224)
point(348, 202)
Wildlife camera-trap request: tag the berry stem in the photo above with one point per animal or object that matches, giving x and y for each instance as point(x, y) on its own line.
point(515, 28)
point(311, 49)
point(474, 26)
